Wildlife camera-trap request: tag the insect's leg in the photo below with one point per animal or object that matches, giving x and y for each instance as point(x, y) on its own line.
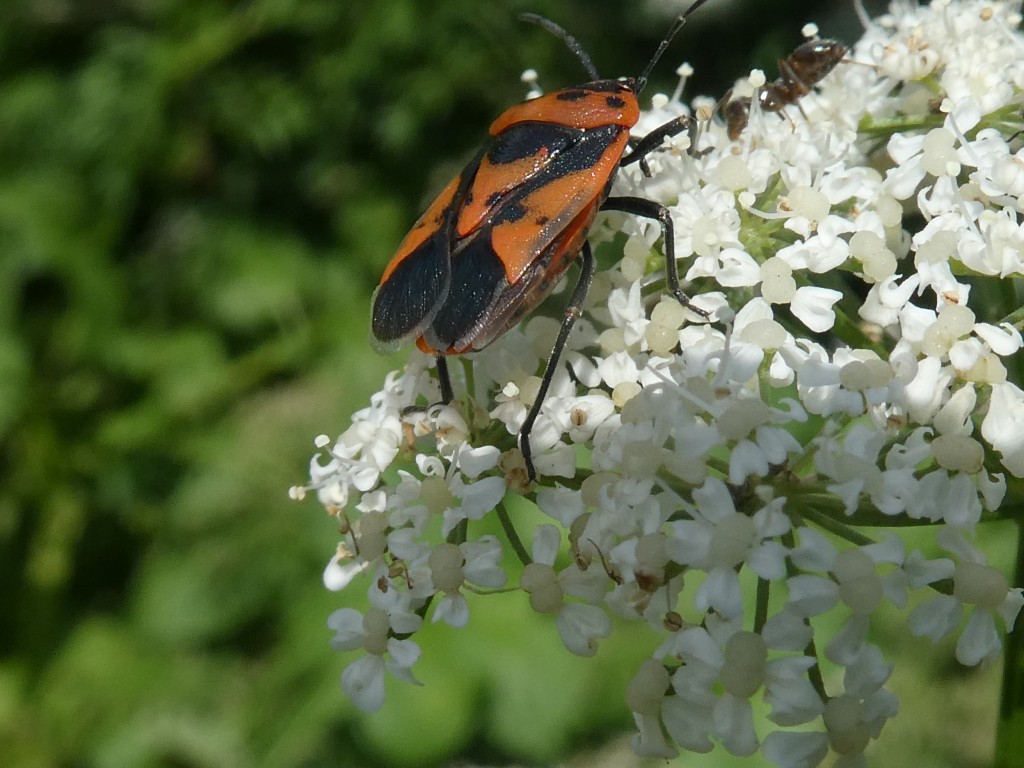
point(572, 312)
point(655, 138)
point(799, 106)
point(444, 379)
point(722, 108)
point(737, 116)
point(649, 209)
point(795, 86)
point(643, 160)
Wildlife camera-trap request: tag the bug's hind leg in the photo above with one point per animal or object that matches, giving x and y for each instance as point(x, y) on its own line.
point(444, 379)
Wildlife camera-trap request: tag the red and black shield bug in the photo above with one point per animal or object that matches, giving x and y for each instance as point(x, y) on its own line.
point(500, 235)
point(799, 73)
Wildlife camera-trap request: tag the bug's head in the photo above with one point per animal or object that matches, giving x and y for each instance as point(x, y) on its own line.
point(620, 85)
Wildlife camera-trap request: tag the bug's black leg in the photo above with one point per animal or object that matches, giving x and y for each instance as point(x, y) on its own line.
point(649, 209)
point(643, 160)
point(444, 379)
point(572, 312)
point(653, 140)
point(720, 106)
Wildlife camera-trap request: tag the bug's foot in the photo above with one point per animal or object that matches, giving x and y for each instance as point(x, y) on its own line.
point(683, 299)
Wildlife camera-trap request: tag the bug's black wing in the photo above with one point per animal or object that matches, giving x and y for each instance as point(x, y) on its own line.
point(529, 232)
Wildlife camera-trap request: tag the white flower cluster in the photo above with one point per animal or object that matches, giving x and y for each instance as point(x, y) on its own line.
point(850, 375)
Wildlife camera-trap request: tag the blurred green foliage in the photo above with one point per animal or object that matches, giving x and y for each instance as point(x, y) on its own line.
point(196, 198)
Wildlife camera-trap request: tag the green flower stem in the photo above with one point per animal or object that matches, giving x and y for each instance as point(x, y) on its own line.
point(834, 526)
point(814, 673)
point(513, 537)
point(460, 533)
point(876, 128)
point(1016, 318)
point(761, 607)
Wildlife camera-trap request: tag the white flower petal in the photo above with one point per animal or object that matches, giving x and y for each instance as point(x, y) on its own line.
point(547, 541)
point(1003, 427)
point(847, 644)
point(768, 560)
point(1011, 606)
point(867, 673)
point(580, 627)
point(363, 682)
point(814, 552)
point(687, 717)
point(747, 460)
point(721, 592)
point(792, 697)
point(1003, 339)
point(473, 462)
point(788, 749)
point(936, 618)
point(787, 631)
point(980, 639)
point(649, 740)
point(738, 269)
point(402, 655)
point(452, 609)
point(563, 504)
point(813, 307)
point(811, 595)
point(338, 574)
point(347, 624)
point(733, 720)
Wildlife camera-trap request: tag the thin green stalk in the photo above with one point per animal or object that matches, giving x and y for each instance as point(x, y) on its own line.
point(814, 673)
point(836, 527)
point(513, 537)
point(761, 607)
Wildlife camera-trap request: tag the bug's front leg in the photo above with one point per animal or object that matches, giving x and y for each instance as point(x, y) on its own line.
point(649, 209)
point(654, 140)
point(572, 312)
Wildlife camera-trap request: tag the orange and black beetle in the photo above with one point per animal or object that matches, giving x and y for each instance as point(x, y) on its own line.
point(496, 240)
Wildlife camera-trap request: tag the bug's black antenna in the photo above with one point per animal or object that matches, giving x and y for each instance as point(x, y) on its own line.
point(569, 40)
point(676, 26)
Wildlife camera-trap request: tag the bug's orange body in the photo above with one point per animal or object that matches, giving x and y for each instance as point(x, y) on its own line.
point(493, 244)
point(495, 241)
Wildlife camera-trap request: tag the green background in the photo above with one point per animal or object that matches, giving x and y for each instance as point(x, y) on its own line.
point(196, 200)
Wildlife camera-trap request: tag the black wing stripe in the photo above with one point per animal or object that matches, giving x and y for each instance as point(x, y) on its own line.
point(528, 139)
point(480, 296)
point(477, 279)
point(404, 304)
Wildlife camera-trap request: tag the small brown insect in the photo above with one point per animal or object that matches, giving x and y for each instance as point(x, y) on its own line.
point(798, 75)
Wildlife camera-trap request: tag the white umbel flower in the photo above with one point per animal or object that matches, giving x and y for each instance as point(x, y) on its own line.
point(721, 475)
